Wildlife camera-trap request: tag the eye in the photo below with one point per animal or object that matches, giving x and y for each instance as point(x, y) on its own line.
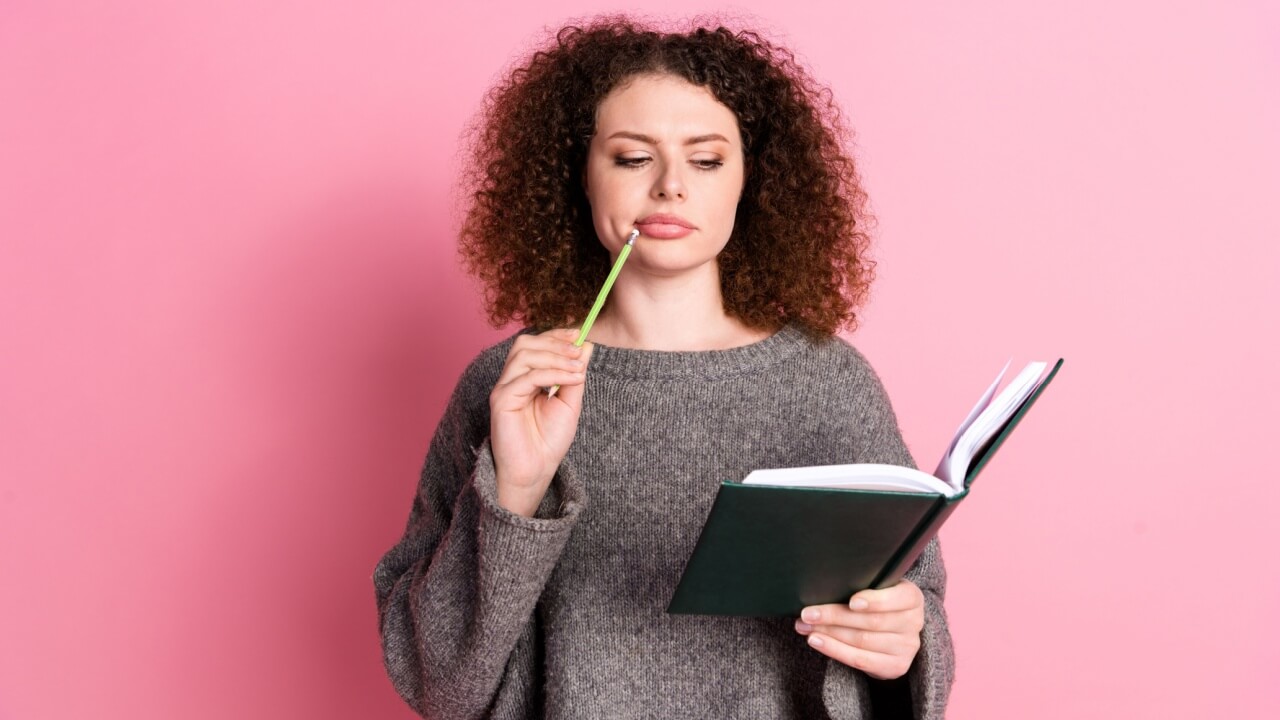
point(707, 164)
point(631, 162)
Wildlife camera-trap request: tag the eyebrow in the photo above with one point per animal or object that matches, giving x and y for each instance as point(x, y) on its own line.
point(711, 137)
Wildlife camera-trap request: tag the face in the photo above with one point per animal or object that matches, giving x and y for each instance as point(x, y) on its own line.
point(667, 160)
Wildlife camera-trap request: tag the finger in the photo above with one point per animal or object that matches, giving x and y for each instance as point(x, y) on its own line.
point(566, 334)
point(557, 341)
point(898, 621)
point(905, 595)
point(572, 394)
point(561, 340)
point(553, 340)
point(516, 393)
point(889, 643)
point(526, 359)
point(878, 665)
point(557, 335)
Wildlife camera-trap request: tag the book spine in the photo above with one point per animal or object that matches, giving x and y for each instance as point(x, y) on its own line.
point(916, 542)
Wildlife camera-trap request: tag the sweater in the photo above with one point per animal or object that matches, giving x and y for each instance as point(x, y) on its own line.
point(488, 614)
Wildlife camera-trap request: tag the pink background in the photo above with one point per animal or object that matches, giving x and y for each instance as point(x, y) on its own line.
point(230, 315)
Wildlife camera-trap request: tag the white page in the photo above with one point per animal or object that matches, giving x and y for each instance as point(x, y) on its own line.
point(994, 418)
point(862, 476)
point(943, 470)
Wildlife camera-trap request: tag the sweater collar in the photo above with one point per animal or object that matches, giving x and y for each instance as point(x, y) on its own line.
point(665, 364)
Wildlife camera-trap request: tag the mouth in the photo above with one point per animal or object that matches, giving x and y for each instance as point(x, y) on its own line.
point(665, 227)
point(661, 219)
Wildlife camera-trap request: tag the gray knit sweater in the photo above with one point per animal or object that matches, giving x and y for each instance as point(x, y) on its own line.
point(485, 613)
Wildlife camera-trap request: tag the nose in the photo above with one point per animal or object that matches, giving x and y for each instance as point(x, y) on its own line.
point(669, 185)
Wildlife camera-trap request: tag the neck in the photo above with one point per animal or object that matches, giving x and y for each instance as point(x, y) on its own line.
point(682, 313)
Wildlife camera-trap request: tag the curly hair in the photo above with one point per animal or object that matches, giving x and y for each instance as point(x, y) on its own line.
point(798, 250)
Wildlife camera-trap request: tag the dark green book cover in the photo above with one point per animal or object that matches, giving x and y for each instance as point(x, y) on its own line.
point(767, 550)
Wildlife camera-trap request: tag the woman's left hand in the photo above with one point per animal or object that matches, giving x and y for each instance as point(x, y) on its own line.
point(877, 632)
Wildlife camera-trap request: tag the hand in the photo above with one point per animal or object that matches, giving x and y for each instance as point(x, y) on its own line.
point(529, 432)
point(878, 632)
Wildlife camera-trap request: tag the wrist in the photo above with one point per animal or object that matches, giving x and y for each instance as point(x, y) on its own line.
point(521, 501)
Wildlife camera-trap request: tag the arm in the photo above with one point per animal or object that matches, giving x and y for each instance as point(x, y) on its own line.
point(861, 639)
point(922, 692)
point(933, 670)
point(456, 594)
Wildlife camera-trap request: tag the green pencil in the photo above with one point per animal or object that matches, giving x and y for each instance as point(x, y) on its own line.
point(600, 298)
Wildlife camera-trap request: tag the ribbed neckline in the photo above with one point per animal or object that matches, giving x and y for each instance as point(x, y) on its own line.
point(661, 364)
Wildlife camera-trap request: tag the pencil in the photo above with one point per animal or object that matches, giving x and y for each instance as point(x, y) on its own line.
point(600, 298)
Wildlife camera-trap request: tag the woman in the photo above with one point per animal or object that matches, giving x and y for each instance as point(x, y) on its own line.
point(549, 531)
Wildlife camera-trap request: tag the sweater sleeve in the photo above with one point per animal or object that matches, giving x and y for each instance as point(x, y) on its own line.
point(923, 692)
point(456, 595)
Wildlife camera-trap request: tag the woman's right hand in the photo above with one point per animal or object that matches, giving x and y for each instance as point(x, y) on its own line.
point(529, 431)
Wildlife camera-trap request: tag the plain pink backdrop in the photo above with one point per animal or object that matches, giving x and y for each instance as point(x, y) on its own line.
point(230, 314)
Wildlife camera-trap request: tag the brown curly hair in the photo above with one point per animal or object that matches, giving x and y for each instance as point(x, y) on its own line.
point(798, 251)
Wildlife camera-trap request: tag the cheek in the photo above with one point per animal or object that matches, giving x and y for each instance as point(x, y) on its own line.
point(729, 196)
point(618, 193)
point(727, 184)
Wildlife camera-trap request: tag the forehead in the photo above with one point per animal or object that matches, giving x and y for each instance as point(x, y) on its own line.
point(664, 105)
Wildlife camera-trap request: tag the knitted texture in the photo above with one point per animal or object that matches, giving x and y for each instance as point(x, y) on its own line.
point(485, 613)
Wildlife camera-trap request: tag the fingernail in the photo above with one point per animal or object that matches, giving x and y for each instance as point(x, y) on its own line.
point(577, 363)
point(815, 641)
point(857, 604)
point(803, 627)
point(812, 615)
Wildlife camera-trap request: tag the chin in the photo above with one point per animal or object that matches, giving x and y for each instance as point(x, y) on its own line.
point(669, 267)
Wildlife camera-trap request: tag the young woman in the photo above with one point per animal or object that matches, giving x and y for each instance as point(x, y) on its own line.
point(549, 531)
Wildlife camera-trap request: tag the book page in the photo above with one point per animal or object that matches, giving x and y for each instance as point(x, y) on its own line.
point(859, 476)
point(944, 465)
point(989, 421)
point(991, 413)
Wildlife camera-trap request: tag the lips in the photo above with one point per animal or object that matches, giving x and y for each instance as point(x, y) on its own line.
point(665, 227)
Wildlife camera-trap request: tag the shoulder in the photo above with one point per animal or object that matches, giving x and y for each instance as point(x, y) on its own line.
point(841, 378)
point(838, 351)
point(465, 422)
point(481, 374)
point(832, 391)
point(486, 366)
point(855, 399)
point(839, 365)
